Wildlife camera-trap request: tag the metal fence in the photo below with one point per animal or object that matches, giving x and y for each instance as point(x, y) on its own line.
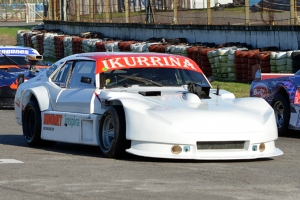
point(202, 12)
point(17, 12)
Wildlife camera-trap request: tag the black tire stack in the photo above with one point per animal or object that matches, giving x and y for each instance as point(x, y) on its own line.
point(295, 61)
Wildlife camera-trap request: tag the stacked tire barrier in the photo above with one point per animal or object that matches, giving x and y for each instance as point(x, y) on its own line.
point(30, 40)
point(20, 38)
point(124, 46)
point(238, 66)
point(225, 62)
point(67, 45)
point(177, 49)
point(251, 62)
point(244, 61)
point(89, 45)
point(203, 61)
point(140, 47)
point(100, 46)
point(263, 59)
point(49, 48)
point(281, 62)
point(59, 46)
point(40, 43)
point(112, 47)
point(295, 61)
point(77, 45)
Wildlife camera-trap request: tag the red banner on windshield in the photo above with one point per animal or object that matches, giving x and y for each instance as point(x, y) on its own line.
point(149, 61)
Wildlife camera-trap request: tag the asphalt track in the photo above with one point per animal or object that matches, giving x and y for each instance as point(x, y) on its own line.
point(68, 171)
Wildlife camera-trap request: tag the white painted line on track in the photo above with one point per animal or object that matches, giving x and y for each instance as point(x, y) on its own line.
point(9, 161)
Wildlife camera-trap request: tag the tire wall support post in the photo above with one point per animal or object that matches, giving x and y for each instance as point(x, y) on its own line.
point(91, 10)
point(295, 12)
point(208, 13)
point(50, 5)
point(292, 13)
point(247, 20)
point(63, 10)
point(26, 12)
point(175, 7)
point(54, 10)
point(77, 10)
point(127, 11)
point(107, 11)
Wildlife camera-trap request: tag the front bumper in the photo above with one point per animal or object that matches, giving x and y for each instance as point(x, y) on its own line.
point(159, 150)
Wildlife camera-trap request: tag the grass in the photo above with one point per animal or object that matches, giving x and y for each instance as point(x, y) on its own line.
point(239, 89)
point(12, 31)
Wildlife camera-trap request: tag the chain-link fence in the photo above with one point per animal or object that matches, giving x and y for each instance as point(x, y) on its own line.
point(21, 12)
point(201, 12)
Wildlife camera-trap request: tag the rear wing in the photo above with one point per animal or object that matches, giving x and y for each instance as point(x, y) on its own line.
point(258, 76)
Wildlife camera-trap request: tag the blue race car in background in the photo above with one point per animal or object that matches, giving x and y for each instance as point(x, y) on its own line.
point(282, 92)
point(15, 61)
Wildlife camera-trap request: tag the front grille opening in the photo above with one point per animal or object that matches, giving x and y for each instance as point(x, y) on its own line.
point(220, 145)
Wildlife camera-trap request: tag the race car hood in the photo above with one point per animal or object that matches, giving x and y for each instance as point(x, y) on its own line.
point(179, 111)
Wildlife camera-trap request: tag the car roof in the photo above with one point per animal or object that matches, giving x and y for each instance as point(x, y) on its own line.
point(107, 61)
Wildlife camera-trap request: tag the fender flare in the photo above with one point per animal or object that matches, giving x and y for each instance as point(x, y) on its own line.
point(39, 93)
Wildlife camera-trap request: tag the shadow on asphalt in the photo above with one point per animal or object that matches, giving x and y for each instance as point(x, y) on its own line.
point(292, 134)
point(94, 151)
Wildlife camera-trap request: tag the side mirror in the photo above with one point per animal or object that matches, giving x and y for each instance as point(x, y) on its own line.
point(20, 79)
point(87, 80)
point(256, 72)
point(48, 63)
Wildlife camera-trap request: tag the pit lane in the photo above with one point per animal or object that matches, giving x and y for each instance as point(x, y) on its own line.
point(69, 171)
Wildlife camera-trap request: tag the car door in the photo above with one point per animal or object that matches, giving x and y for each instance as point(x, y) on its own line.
point(71, 93)
point(78, 89)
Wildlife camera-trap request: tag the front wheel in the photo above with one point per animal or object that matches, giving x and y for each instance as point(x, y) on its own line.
point(31, 125)
point(281, 108)
point(112, 138)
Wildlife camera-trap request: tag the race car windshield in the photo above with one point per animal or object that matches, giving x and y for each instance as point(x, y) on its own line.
point(157, 77)
point(20, 60)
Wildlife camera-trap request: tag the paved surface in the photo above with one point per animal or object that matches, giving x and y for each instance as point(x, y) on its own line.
point(18, 24)
point(68, 171)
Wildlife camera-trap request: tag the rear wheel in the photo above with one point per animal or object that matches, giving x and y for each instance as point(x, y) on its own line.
point(112, 138)
point(282, 113)
point(31, 124)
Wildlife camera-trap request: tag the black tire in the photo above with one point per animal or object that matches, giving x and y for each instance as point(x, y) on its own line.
point(281, 108)
point(114, 145)
point(31, 125)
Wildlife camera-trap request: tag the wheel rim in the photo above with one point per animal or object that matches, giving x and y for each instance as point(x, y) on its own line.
point(30, 124)
point(108, 132)
point(279, 114)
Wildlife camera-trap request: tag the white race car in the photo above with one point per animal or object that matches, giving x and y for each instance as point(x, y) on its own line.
point(147, 104)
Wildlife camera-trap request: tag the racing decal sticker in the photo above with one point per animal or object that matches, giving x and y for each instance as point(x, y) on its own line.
point(17, 103)
point(15, 51)
point(14, 85)
point(46, 128)
point(151, 61)
point(71, 122)
point(260, 90)
point(98, 97)
point(297, 96)
point(53, 119)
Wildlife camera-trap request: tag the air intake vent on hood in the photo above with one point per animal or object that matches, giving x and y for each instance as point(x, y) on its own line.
point(151, 93)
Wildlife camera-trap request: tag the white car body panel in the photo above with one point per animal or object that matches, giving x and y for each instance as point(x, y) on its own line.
point(154, 124)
